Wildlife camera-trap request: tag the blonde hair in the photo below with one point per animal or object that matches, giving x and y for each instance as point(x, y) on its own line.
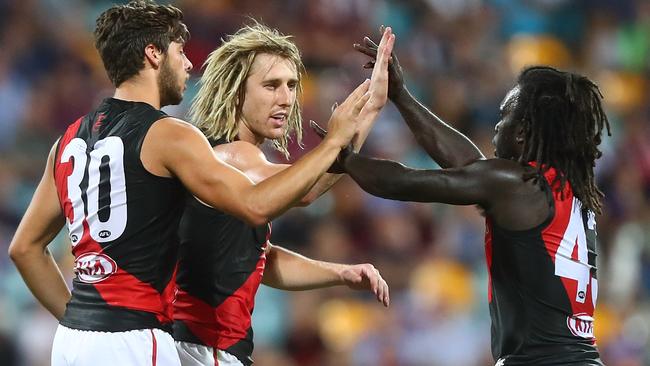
point(216, 108)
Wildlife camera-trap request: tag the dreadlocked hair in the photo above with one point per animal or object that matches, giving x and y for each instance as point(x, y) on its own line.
point(562, 119)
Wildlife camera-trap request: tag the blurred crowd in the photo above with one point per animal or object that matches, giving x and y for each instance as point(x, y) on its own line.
point(460, 57)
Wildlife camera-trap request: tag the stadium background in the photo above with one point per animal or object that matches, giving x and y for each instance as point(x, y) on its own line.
point(460, 58)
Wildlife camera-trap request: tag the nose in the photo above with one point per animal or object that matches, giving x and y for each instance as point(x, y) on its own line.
point(285, 96)
point(188, 64)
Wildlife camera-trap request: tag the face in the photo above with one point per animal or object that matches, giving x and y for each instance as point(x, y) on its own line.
point(270, 93)
point(174, 72)
point(507, 139)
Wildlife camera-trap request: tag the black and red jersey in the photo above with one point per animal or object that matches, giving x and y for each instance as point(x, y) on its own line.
point(122, 221)
point(543, 286)
point(220, 267)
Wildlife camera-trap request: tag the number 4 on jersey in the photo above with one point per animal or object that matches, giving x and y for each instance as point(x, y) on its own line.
point(580, 269)
point(108, 152)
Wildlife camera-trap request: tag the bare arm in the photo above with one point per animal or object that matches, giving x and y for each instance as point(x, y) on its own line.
point(41, 223)
point(497, 185)
point(288, 270)
point(174, 147)
point(477, 183)
point(446, 145)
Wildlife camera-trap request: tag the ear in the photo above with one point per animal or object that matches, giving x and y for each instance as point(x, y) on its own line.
point(519, 138)
point(153, 56)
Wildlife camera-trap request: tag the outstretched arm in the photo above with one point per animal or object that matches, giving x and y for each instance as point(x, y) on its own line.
point(41, 223)
point(287, 270)
point(472, 184)
point(446, 145)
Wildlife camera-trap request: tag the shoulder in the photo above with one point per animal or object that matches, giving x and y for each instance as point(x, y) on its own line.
point(173, 130)
point(174, 123)
point(240, 154)
point(240, 147)
point(498, 169)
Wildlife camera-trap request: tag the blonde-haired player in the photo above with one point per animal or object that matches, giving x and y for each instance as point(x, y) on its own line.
point(249, 93)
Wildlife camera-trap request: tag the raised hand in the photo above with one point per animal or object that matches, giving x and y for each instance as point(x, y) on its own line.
point(395, 72)
point(344, 120)
point(367, 277)
point(379, 78)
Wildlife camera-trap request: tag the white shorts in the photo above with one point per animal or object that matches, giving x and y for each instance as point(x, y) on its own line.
point(193, 354)
point(150, 347)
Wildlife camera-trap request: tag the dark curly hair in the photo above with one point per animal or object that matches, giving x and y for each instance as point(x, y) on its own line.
point(563, 119)
point(123, 31)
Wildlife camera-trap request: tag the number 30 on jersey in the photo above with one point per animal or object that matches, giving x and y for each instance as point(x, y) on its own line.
point(105, 183)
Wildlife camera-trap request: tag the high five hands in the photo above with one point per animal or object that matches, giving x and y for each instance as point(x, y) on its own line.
point(395, 73)
point(379, 88)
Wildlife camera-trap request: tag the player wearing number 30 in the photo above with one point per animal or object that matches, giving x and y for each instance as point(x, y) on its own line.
point(116, 177)
point(539, 198)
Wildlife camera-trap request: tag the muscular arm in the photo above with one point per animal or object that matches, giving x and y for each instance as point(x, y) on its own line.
point(175, 148)
point(187, 155)
point(41, 223)
point(287, 270)
point(497, 185)
point(473, 184)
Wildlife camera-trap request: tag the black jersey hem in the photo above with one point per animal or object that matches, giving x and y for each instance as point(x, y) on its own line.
point(112, 320)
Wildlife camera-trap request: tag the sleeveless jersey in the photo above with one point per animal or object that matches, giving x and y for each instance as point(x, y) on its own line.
point(122, 221)
point(543, 286)
point(220, 267)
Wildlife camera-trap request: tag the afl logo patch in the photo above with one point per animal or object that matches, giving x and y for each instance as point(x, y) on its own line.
point(104, 234)
point(581, 325)
point(94, 267)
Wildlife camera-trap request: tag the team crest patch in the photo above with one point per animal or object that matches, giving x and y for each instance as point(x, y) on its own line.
point(94, 267)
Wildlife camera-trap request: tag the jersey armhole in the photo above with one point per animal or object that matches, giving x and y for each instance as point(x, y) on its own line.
point(546, 188)
point(56, 154)
point(140, 142)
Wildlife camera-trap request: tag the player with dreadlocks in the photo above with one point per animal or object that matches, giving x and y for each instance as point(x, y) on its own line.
point(539, 197)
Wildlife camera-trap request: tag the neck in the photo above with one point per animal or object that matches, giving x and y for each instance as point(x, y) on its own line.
point(245, 134)
point(139, 89)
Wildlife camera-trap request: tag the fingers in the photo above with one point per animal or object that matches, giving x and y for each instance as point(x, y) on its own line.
point(370, 43)
point(385, 298)
point(385, 48)
point(357, 94)
point(374, 281)
point(365, 50)
point(358, 106)
point(360, 90)
point(320, 131)
point(377, 284)
point(369, 65)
